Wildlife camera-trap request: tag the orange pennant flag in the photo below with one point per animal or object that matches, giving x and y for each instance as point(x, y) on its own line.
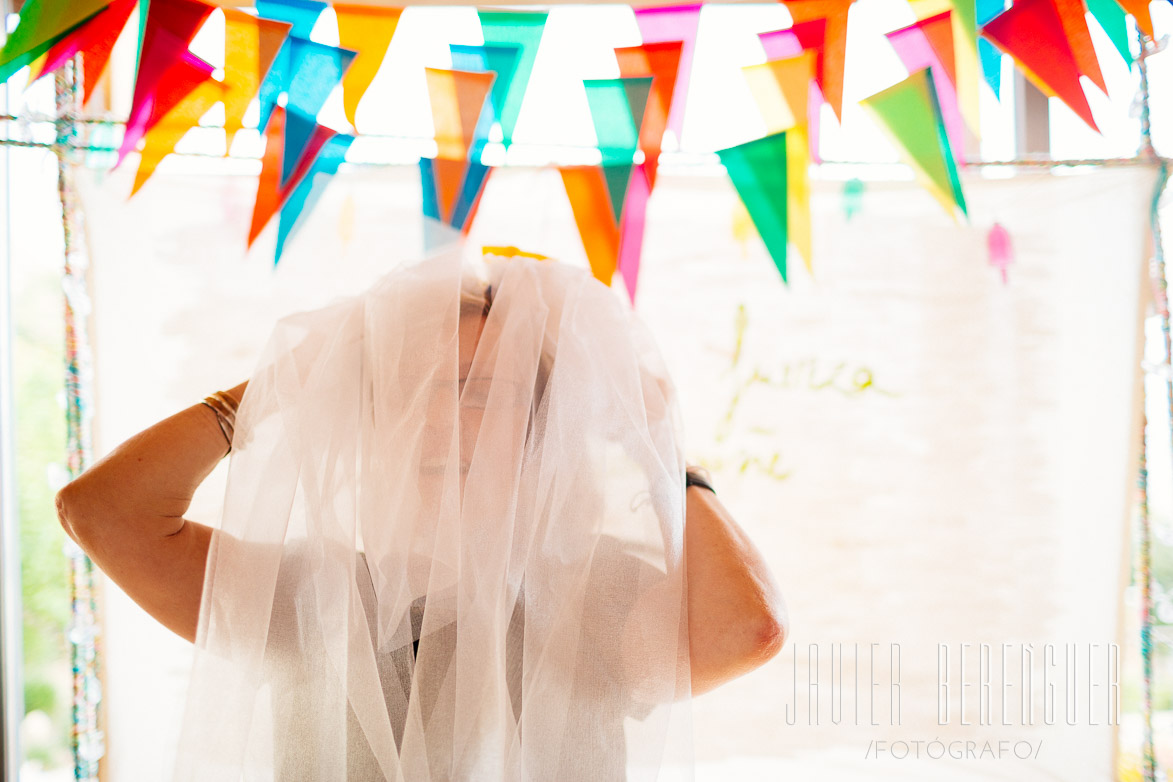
point(457, 99)
point(781, 88)
point(834, 13)
point(269, 183)
point(1073, 15)
point(1139, 9)
point(586, 187)
point(161, 139)
point(368, 31)
point(250, 46)
point(661, 61)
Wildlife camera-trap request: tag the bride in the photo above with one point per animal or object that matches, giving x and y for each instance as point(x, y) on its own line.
point(459, 542)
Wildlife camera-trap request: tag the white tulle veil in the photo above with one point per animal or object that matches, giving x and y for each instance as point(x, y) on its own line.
point(452, 543)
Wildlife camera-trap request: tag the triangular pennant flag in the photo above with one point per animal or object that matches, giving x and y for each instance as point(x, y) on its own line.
point(166, 33)
point(781, 89)
point(315, 69)
point(782, 45)
point(1113, 22)
point(823, 24)
point(250, 46)
point(916, 50)
point(669, 25)
point(301, 202)
point(909, 112)
point(661, 61)
point(173, 85)
point(497, 58)
point(587, 191)
point(1139, 11)
point(991, 58)
point(631, 228)
point(166, 133)
point(617, 109)
point(271, 196)
point(1031, 32)
point(301, 14)
point(758, 171)
point(476, 176)
point(42, 23)
point(524, 29)
point(458, 100)
point(94, 39)
point(368, 31)
point(966, 65)
point(449, 177)
point(1073, 14)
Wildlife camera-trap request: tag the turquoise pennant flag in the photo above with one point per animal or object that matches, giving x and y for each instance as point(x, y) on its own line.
point(617, 111)
point(305, 196)
point(758, 171)
point(500, 59)
point(524, 29)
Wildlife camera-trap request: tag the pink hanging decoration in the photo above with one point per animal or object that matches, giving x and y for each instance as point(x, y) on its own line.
point(1001, 250)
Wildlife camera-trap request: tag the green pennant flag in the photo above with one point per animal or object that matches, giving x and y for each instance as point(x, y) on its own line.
point(758, 171)
point(523, 28)
point(43, 23)
point(1112, 19)
point(911, 115)
point(617, 111)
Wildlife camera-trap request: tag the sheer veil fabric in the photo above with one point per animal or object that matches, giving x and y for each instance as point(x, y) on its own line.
point(452, 544)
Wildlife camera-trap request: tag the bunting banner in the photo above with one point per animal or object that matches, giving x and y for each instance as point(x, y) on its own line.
point(42, 23)
point(988, 54)
point(617, 110)
point(965, 52)
point(909, 112)
point(822, 25)
point(1031, 31)
point(781, 91)
point(586, 188)
point(1112, 20)
point(369, 32)
point(673, 24)
point(93, 39)
point(250, 47)
point(161, 139)
point(524, 30)
point(661, 61)
point(757, 170)
point(783, 45)
point(500, 59)
point(631, 228)
point(929, 44)
point(166, 70)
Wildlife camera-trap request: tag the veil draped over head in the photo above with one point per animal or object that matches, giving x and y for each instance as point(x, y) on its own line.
point(452, 545)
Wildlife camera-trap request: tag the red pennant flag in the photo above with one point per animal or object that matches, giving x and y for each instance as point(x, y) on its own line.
point(1031, 32)
point(661, 61)
point(823, 23)
point(172, 87)
point(169, 29)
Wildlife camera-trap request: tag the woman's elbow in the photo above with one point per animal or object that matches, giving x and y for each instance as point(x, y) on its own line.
point(769, 634)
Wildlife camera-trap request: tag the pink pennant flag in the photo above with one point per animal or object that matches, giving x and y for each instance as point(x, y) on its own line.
point(169, 90)
point(674, 23)
point(1001, 250)
point(631, 228)
point(916, 51)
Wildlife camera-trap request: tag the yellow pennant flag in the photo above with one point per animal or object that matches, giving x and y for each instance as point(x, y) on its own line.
point(781, 89)
point(965, 53)
point(162, 138)
point(368, 31)
point(250, 46)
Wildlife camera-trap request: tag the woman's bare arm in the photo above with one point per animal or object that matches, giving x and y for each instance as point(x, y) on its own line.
point(126, 512)
point(737, 618)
